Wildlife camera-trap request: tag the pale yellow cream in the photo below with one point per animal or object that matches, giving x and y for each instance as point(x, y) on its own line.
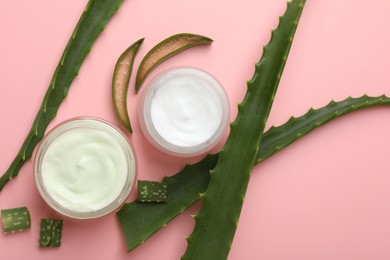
point(84, 169)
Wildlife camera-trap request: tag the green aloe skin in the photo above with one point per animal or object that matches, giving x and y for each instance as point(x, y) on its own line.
point(96, 15)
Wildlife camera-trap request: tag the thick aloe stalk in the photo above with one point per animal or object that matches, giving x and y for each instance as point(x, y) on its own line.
point(91, 24)
point(217, 220)
point(139, 221)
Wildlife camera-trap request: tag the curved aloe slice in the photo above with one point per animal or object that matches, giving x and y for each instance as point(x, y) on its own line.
point(16, 219)
point(164, 50)
point(96, 15)
point(184, 187)
point(120, 83)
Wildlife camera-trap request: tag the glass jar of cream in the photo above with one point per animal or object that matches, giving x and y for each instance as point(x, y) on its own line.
point(85, 168)
point(184, 111)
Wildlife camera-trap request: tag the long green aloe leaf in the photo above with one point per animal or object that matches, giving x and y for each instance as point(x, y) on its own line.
point(261, 90)
point(276, 138)
point(92, 22)
point(139, 221)
point(217, 220)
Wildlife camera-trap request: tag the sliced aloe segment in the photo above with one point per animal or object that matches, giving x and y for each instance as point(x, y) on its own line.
point(120, 83)
point(152, 191)
point(16, 219)
point(50, 233)
point(164, 50)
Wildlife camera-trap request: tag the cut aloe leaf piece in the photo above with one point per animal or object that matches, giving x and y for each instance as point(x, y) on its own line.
point(185, 186)
point(120, 82)
point(50, 233)
point(16, 219)
point(152, 191)
point(164, 50)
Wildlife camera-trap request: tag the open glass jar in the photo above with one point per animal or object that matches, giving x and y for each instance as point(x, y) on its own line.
point(184, 111)
point(85, 168)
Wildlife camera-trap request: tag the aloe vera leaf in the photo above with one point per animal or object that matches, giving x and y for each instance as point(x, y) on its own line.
point(217, 220)
point(16, 219)
point(152, 191)
point(276, 138)
point(120, 83)
point(164, 50)
point(274, 58)
point(50, 233)
point(96, 15)
point(184, 187)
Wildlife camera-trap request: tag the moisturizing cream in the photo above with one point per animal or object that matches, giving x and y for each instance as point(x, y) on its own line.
point(85, 168)
point(184, 111)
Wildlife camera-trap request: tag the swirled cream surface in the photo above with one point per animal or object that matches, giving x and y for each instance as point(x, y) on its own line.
point(186, 109)
point(84, 169)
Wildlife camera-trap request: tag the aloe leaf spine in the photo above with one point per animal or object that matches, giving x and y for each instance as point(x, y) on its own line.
point(96, 15)
point(185, 186)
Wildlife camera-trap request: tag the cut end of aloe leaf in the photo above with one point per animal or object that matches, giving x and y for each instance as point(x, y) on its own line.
point(152, 191)
point(16, 219)
point(164, 50)
point(50, 233)
point(120, 83)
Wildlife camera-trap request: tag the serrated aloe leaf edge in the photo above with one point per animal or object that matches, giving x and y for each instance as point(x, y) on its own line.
point(217, 220)
point(92, 22)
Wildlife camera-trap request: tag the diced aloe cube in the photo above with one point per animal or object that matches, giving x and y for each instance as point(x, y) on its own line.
point(16, 219)
point(152, 191)
point(51, 233)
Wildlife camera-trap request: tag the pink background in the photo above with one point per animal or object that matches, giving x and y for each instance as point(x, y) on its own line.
point(324, 197)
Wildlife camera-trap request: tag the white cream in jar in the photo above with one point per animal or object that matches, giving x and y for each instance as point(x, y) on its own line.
point(184, 111)
point(85, 168)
